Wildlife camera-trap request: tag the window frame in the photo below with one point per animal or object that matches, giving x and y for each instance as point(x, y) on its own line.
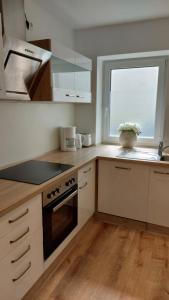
point(108, 66)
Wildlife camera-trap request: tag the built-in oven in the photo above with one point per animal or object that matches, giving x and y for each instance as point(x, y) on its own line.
point(60, 213)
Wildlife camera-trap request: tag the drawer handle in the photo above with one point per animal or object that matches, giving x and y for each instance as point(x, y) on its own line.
point(27, 268)
point(87, 171)
point(22, 255)
point(123, 168)
point(21, 236)
point(161, 173)
point(83, 186)
point(19, 217)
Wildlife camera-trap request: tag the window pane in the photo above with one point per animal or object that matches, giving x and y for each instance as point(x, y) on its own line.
point(133, 98)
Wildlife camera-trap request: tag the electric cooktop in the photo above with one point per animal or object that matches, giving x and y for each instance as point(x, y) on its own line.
point(33, 171)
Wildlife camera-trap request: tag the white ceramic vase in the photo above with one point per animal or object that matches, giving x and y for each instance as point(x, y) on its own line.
point(128, 139)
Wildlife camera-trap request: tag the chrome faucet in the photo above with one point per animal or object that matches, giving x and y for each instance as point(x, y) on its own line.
point(161, 148)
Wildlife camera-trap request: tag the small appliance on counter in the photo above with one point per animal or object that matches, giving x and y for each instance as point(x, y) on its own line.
point(86, 139)
point(78, 141)
point(68, 138)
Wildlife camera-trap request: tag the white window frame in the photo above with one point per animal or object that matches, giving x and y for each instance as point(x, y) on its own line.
point(108, 66)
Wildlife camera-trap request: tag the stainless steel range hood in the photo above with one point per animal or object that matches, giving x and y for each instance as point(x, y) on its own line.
point(24, 63)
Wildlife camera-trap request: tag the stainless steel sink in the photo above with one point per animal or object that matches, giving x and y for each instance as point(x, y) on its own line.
point(165, 158)
point(139, 155)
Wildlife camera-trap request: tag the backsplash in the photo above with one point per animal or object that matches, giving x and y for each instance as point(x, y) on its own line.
point(30, 129)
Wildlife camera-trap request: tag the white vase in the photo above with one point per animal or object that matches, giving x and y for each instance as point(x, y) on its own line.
point(128, 139)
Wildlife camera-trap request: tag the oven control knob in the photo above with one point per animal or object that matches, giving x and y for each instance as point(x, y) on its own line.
point(73, 179)
point(49, 196)
point(57, 190)
point(67, 183)
point(52, 194)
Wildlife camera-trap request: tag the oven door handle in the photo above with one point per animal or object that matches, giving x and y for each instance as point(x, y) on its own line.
point(64, 201)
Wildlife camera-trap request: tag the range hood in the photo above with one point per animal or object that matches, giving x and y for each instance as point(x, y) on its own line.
point(24, 64)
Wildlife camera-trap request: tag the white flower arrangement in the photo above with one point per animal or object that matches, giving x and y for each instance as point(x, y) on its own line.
point(127, 126)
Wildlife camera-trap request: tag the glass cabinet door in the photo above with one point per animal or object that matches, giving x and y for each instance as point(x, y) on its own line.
point(83, 78)
point(83, 85)
point(71, 81)
point(63, 73)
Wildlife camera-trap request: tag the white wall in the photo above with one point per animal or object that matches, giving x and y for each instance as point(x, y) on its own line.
point(124, 38)
point(14, 19)
point(31, 129)
point(46, 24)
point(109, 40)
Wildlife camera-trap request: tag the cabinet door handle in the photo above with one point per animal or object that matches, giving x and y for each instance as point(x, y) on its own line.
point(19, 217)
point(87, 171)
point(21, 236)
point(123, 168)
point(77, 96)
point(22, 255)
point(83, 186)
point(161, 173)
point(68, 95)
point(20, 276)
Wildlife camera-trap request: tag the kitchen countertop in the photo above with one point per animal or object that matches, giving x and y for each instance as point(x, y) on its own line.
point(13, 194)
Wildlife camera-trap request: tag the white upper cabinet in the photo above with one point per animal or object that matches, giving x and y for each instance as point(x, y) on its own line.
point(67, 77)
point(71, 75)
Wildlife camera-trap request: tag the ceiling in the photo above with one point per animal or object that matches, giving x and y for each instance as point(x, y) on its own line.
point(92, 13)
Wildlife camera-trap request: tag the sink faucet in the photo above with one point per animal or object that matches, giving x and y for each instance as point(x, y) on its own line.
point(161, 148)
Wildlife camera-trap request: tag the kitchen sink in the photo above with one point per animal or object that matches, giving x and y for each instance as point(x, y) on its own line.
point(140, 155)
point(165, 158)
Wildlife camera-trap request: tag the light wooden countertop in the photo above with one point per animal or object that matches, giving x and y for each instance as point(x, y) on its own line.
point(13, 194)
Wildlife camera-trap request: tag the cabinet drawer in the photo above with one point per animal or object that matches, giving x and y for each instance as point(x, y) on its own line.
point(28, 271)
point(15, 239)
point(22, 267)
point(29, 212)
point(86, 195)
point(86, 171)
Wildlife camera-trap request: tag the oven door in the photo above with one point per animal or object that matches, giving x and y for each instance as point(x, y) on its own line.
point(59, 219)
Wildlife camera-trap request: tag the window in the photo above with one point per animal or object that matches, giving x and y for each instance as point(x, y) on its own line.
point(134, 92)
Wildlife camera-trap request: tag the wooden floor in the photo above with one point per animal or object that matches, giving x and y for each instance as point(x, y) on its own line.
point(111, 262)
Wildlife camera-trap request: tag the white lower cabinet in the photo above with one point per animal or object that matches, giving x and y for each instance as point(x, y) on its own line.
point(158, 201)
point(123, 189)
point(22, 264)
point(86, 193)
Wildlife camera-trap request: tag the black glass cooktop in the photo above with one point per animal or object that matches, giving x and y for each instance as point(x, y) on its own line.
point(33, 171)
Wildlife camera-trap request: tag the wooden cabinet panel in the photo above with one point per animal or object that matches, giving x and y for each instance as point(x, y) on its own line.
point(158, 202)
point(123, 189)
